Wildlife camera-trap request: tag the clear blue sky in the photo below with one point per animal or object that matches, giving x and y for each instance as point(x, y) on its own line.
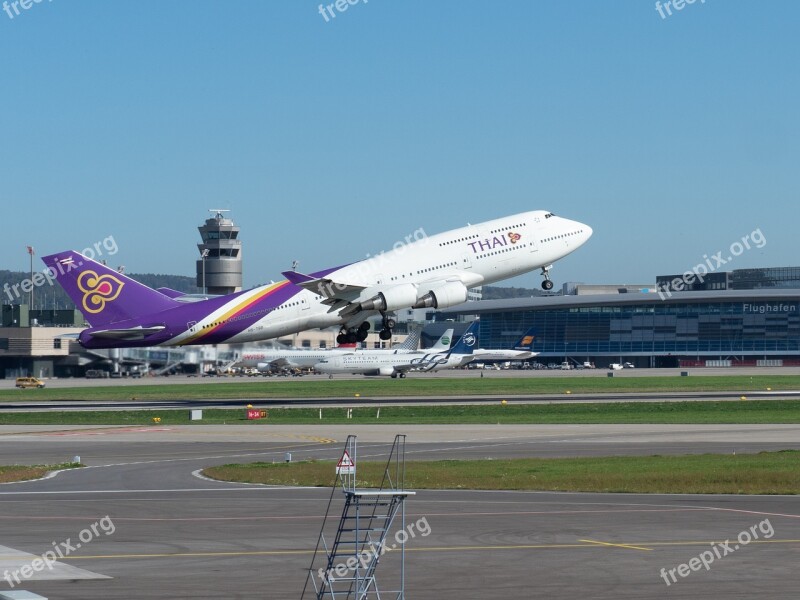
point(672, 137)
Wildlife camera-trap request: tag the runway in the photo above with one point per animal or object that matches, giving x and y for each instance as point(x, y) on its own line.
point(179, 536)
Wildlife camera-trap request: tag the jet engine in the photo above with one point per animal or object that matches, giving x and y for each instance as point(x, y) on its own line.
point(443, 295)
point(392, 298)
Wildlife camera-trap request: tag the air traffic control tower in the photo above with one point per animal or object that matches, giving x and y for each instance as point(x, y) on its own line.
point(219, 269)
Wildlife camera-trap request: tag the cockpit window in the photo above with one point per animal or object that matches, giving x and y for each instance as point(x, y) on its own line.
point(548, 215)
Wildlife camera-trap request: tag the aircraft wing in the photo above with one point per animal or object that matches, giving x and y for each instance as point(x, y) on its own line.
point(334, 292)
point(405, 367)
point(281, 363)
point(133, 333)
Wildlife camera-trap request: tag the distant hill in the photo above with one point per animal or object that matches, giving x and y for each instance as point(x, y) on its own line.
point(491, 292)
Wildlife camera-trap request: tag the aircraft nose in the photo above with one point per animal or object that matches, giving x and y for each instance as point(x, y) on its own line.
point(586, 232)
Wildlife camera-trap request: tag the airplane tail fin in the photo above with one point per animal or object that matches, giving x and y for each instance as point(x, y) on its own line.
point(103, 295)
point(526, 341)
point(412, 341)
point(467, 342)
point(443, 343)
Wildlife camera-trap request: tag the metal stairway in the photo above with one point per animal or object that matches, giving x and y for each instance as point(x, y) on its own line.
point(346, 568)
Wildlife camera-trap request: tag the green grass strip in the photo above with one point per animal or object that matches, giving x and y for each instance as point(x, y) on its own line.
point(696, 412)
point(422, 386)
point(763, 473)
point(12, 473)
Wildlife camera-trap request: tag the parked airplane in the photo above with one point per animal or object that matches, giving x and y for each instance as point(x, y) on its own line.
point(521, 350)
point(266, 359)
point(434, 272)
point(397, 365)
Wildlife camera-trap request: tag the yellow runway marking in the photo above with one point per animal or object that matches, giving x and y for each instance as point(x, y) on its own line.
point(616, 545)
point(587, 544)
point(704, 543)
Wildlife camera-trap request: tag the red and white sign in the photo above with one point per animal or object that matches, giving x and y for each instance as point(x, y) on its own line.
point(346, 466)
point(254, 413)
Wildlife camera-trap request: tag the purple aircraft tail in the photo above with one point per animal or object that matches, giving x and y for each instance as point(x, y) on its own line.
point(103, 295)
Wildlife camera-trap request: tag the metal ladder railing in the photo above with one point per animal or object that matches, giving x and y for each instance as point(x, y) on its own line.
point(346, 569)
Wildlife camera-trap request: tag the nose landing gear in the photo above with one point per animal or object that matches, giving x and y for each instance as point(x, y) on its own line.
point(547, 284)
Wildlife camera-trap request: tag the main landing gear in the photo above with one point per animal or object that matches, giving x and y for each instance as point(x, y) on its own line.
point(388, 324)
point(359, 334)
point(353, 334)
point(547, 284)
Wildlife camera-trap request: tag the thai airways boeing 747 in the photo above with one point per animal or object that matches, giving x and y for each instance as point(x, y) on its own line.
point(435, 272)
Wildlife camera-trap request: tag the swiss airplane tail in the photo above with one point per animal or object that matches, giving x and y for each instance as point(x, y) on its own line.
point(103, 295)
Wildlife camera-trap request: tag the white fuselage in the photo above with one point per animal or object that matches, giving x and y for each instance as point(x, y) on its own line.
point(306, 359)
point(473, 255)
point(372, 364)
point(499, 354)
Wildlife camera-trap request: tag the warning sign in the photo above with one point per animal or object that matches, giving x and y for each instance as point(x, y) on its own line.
point(346, 466)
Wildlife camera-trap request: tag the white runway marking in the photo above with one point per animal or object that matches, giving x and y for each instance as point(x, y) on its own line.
point(12, 561)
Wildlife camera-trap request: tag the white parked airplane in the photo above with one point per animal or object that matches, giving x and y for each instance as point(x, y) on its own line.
point(397, 365)
point(520, 351)
point(266, 359)
point(433, 271)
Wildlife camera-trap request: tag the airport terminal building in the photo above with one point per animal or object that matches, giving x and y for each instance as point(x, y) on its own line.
point(728, 327)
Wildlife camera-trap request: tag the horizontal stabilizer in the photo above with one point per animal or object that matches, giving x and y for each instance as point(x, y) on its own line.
point(169, 292)
point(134, 333)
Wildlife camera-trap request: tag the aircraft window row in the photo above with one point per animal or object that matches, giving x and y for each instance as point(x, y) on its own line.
point(509, 249)
point(517, 226)
point(429, 269)
point(249, 315)
point(461, 239)
point(563, 235)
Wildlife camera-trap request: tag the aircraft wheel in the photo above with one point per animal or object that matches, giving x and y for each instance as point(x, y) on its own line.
point(341, 339)
point(547, 285)
point(385, 334)
point(362, 335)
point(364, 326)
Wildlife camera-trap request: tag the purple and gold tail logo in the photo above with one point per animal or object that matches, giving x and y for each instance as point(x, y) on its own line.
point(98, 289)
point(514, 237)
